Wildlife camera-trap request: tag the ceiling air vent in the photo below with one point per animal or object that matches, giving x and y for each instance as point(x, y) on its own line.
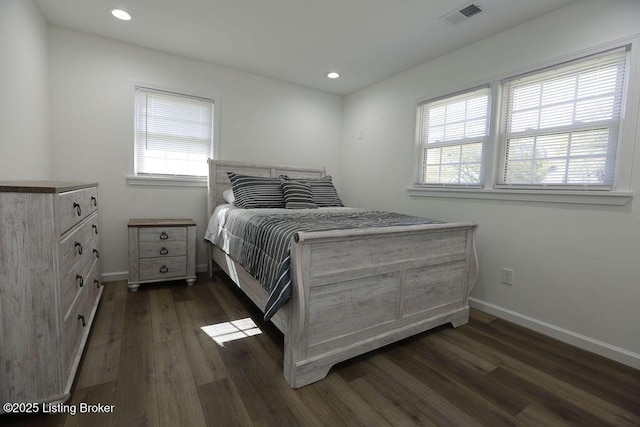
point(460, 15)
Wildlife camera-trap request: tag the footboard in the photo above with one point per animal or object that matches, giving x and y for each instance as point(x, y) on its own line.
point(358, 290)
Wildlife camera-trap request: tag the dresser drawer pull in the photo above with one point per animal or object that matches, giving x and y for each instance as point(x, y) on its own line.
point(164, 236)
point(163, 269)
point(164, 251)
point(95, 228)
point(80, 280)
point(96, 253)
point(94, 201)
point(84, 322)
point(97, 283)
point(79, 246)
point(78, 208)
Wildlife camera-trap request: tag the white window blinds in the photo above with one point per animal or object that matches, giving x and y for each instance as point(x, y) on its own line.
point(451, 136)
point(174, 133)
point(560, 126)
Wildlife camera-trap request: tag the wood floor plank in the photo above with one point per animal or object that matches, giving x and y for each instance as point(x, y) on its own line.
point(491, 348)
point(102, 357)
point(222, 404)
point(164, 323)
point(136, 394)
point(542, 398)
point(202, 351)
point(318, 407)
point(449, 367)
point(473, 403)
point(348, 404)
point(607, 379)
point(394, 408)
point(534, 416)
point(178, 400)
point(101, 397)
point(419, 394)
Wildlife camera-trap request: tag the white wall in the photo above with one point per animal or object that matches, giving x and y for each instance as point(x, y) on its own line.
point(261, 120)
point(24, 89)
point(577, 267)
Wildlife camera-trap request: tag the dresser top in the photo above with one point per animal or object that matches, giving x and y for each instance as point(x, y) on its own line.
point(42, 186)
point(173, 222)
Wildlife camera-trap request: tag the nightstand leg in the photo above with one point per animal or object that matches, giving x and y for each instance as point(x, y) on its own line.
point(190, 282)
point(133, 287)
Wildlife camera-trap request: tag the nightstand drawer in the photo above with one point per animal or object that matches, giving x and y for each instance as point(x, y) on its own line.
point(162, 249)
point(163, 268)
point(162, 234)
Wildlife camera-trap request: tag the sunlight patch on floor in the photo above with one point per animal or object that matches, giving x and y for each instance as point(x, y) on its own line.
point(230, 331)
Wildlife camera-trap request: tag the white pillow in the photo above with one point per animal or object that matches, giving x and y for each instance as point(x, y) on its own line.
point(228, 197)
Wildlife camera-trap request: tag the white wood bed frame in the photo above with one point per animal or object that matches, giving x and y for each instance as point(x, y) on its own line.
point(356, 290)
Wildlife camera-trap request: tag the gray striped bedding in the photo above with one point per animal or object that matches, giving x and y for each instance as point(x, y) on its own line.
point(260, 239)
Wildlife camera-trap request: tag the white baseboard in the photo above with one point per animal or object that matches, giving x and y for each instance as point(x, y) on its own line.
point(584, 342)
point(124, 275)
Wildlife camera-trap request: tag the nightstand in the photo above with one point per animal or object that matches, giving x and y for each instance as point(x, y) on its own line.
point(161, 250)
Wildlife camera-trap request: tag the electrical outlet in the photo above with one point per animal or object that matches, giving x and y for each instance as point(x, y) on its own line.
point(507, 276)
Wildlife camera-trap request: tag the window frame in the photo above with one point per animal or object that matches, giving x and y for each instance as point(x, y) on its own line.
point(167, 180)
point(620, 192)
point(421, 145)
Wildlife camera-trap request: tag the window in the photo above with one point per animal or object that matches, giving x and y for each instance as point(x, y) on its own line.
point(563, 132)
point(560, 126)
point(173, 134)
point(451, 135)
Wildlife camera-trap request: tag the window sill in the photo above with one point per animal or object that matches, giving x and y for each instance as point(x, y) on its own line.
point(594, 197)
point(166, 181)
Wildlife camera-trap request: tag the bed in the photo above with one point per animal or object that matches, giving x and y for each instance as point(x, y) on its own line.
point(354, 290)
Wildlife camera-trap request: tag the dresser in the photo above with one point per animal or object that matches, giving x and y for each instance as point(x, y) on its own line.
point(49, 285)
point(161, 250)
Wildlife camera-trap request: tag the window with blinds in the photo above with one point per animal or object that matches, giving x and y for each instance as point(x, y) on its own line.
point(560, 126)
point(173, 133)
point(452, 132)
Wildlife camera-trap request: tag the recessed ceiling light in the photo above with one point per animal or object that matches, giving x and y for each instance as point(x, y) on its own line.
point(333, 75)
point(120, 14)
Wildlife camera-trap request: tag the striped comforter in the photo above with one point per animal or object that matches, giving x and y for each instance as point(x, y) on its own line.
point(260, 239)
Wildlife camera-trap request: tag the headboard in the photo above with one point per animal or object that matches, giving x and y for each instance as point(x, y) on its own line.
point(219, 181)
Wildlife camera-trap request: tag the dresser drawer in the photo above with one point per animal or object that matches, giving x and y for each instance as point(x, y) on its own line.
point(80, 246)
point(84, 275)
point(162, 234)
point(77, 324)
point(162, 249)
point(74, 206)
point(163, 268)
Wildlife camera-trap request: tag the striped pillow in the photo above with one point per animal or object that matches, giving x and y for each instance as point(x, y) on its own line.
point(324, 193)
point(297, 194)
point(254, 192)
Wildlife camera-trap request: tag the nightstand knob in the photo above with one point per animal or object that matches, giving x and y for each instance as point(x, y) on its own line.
point(79, 247)
point(78, 208)
point(94, 200)
point(95, 228)
point(84, 322)
point(80, 280)
point(164, 236)
point(164, 251)
point(163, 269)
point(97, 283)
point(96, 253)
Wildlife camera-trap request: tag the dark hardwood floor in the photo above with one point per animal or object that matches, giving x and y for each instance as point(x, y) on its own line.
point(148, 357)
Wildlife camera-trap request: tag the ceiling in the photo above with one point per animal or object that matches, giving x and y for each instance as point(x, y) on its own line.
point(299, 41)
